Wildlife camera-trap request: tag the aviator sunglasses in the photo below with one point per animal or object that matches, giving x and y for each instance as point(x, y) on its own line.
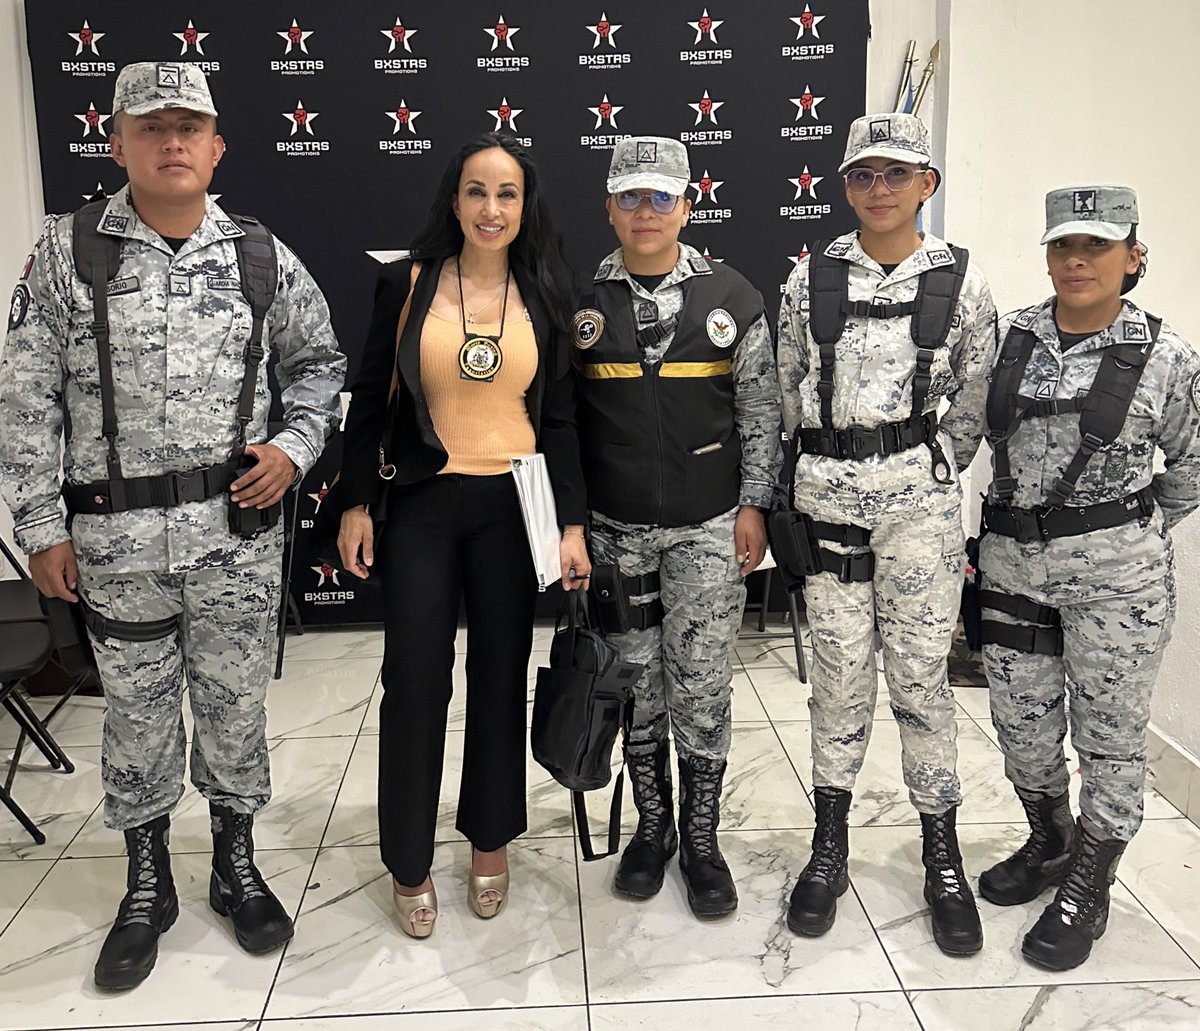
point(661, 201)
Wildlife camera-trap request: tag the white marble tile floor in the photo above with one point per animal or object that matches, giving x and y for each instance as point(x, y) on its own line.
point(567, 954)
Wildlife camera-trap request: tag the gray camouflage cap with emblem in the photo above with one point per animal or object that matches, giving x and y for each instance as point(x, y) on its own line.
point(649, 163)
point(149, 86)
point(897, 136)
point(1109, 212)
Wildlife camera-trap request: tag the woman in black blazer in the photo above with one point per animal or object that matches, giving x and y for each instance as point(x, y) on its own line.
point(483, 373)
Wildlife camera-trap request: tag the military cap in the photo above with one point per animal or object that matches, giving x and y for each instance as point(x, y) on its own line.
point(649, 163)
point(149, 86)
point(1109, 212)
point(896, 136)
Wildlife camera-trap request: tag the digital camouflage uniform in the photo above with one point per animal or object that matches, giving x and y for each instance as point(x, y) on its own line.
point(688, 657)
point(1114, 588)
point(915, 522)
point(179, 328)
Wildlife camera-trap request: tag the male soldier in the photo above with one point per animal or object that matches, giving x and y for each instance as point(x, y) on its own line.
point(875, 330)
point(679, 413)
point(157, 389)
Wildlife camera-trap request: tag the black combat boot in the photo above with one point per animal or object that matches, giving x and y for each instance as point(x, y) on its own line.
point(709, 884)
point(236, 888)
point(148, 909)
point(1042, 860)
point(956, 927)
point(645, 858)
point(824, 880)
point(1063, 935)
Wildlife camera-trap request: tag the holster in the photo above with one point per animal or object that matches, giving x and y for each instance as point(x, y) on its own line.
point(246, 522)
point(793, 545)
point(970, 609)
point(610, 601)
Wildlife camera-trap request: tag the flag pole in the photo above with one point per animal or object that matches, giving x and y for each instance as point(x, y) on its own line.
point(906, 73)
point(927, 75)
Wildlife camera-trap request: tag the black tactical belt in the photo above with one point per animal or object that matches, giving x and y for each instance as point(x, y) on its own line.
point(127, 630)
point(1043, 524)
point(107, 496)
point(857, 442)
point(846, 534)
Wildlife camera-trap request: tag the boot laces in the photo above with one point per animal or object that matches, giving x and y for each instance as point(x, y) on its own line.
point(827, 856)
point(943, 860)
point(652, 812)
point(702, 812)
point(139, 900)
point(1035, 850)
point(1080, 893)
point(241, 859)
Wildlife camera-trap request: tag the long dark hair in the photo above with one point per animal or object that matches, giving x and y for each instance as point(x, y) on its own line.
point(538, 244)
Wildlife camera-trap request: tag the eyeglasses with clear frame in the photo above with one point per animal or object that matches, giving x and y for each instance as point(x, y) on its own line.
point(895, 178)
point(661, 201)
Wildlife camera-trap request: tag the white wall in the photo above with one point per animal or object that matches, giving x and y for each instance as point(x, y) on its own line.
point(20, 185)
point(1076, 91)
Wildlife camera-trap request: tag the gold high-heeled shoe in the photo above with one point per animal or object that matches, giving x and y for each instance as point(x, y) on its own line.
point(408, 906)
point(479, 885)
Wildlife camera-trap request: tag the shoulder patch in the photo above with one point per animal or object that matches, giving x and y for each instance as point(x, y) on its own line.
point(699, 265)
point(939, 257)
point(18, 309)
point(722, 330)
point(1026, 319)
point(1136, 332)
point(589, 327)
point(228, 228)
point(604, 271)
point(114, 223)
point(838, 249)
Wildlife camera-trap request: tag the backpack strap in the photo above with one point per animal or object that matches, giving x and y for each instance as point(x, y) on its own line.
point(936, 304)
point(1005, 406)
point(97, 261)
point(1107, 407)
point(828, 289)
point(258, 267)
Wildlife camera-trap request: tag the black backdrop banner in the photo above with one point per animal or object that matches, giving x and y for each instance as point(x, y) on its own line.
point(339, 119)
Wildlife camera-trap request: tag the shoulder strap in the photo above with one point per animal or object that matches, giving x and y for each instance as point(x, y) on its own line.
point(258, 268)
point(400, 324)
point(97, 261)
point(936, 302)
point(1108, 401)
point(828, 291)
point(1005, 408)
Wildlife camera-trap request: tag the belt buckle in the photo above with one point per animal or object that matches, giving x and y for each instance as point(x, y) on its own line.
point(187, 486)
point(844, 443)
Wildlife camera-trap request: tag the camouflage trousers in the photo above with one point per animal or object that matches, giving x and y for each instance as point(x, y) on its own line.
point(1115, 593)
point(914, 600)
point(221, 651)
point(689, 670)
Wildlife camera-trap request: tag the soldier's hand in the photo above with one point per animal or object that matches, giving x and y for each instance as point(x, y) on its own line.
point(573, 557)
point(749, 539)
point(268, 481)
point(357, 532)
point(55, 572)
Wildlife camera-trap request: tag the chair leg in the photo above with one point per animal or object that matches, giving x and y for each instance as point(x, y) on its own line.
point(38, 732)
point(766, 598)
point(794, 609)
point(38, 837)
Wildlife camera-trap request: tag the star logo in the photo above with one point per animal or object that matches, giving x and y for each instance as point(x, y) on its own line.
point(806, 182)
point(502, 34)
point(295, 37)
point(505, 115)
point(98, 193)
point(604, 31)
point(398, 36)
point(801, 256)
point(93, 120)
point(706, 107)
point(326, 572)
point(707, 187)
point(403, 117)
point(806, 103)
point(808, 22)
point(606, 112)
point(301, 119)
point(86, 39)
point(706, 26)
point(189, 37)
point(707, 256)
point(320, 496)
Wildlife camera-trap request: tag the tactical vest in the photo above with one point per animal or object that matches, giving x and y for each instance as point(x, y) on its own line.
point(932, 317)
point(97, 262)
point(1102, 408)
point(658, 440)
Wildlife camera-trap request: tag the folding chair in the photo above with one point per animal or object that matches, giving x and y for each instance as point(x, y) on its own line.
point(25, 646)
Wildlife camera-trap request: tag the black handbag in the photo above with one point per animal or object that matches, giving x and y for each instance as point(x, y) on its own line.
point(582, 700)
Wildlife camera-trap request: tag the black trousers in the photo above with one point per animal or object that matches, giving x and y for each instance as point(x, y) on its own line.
point(447, 539)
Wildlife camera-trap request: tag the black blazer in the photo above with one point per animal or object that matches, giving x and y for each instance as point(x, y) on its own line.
point(415, 448)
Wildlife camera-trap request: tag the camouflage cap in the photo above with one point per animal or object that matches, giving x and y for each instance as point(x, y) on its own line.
point(149, 86)
point(649, 163)
point(896, 136)
point(1109, 212)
